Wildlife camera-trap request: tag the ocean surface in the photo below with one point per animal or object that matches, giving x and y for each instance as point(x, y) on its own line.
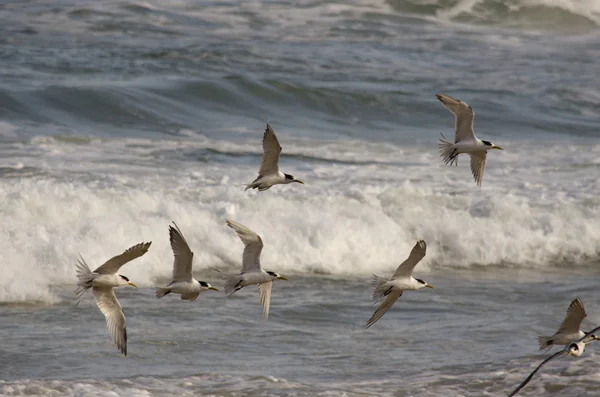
point(118, 117)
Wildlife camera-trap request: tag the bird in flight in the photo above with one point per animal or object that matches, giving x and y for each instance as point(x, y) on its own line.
point(402, 280)
point(183, 282)
point(252, 273)
point(102, 281)
point(269, 174)
point(465, 140)
point(569, 329)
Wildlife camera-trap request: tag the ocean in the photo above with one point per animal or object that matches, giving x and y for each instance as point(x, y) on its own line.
point(119, 117)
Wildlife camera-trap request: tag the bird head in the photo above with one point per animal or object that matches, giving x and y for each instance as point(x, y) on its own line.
point(423, 284)
point(276, 276)
point(125, 281)
point(206, 285)
point(490, 145)
point(576, 349)
point(290, 178)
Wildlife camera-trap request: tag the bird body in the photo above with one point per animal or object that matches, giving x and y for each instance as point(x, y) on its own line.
point(269, 174)
point(102, 282)
point(183, 282)
point(252, 273)
point(465, 140)
point(569, 329)
point(390, 290)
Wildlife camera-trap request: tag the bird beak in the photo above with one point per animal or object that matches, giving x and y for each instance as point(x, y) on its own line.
point(283, 278)
point(497, 147)
point(132, 284)
point(299, 181)
point(213, 288)
point(429, 286)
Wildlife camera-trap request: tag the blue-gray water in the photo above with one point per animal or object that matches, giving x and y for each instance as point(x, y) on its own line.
point(118, 117)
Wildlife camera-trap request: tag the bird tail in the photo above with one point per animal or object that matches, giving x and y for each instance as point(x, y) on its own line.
point(380, 291)
point(232, 284)
point(545, 342)
point(448, 152)
point(160, 292)
point(85, 277)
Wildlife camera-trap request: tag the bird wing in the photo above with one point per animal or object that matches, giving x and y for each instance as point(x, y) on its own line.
point(182, 266)
point(271, 152)
point(575, 315)
point(113, 265)
point(522, 385)
point(115, 317)
point(254, 246)
point(464, 117)
point(477, 164)
point(264, 290)
point(387, 303)
point(416, 254)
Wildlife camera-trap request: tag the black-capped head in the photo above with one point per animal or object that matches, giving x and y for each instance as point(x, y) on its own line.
point(203, 284)
point(275, 275)
point(126, 281)
point(423, 284)
point(124, 278)
point(206, 285)
point(487, 143)
point(289, 177)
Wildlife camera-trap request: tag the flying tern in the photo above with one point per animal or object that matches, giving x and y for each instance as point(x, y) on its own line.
point(269, 174)
point(252, 273)
point(183, 282)
point(569, 329)
point(401, 281)
point(102, 281)
point(465, 140)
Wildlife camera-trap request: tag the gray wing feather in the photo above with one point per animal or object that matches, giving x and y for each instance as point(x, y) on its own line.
point(113, 265)
point(271, 152)
point(253, 246)
point(385, 305)
point(416, 254)
point(477, 165)
point(264, 290)
point(464, 117)
point(182, 265)
point(115, 317)
point(575, 315)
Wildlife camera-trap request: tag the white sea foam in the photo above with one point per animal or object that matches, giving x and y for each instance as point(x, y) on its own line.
point(348, 220)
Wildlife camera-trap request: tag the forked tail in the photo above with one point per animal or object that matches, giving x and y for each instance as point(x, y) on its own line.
point(545, 342)
point(232, 284)
point(380, 291)
point(448, 152)
point(85, 277)
point(160, 292)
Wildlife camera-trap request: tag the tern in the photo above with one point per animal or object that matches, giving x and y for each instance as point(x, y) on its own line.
point(252, 273)
point(401, 281)
point(465, 140)
point(269, 174)
point(569, 329)
point(102, 281)
point(576, 349)
point(183, 282)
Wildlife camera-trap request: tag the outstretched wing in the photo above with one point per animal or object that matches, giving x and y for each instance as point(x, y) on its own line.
point(522, 385)
point(182, 265)
point(416, 254)
point(271, 152)
point(477, 165)
point(264, 290)
point(464, 117)
point(115, 318)
point(113, 265)
point(253, 244)
point(575, 315)
point(387, 303)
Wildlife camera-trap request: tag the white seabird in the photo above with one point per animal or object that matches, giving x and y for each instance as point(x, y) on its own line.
point(401, 281)
point(465, 140)
point(269, 174)
point(576, 349)
point(102, 281)
point(252, 273)
point(569, 329)
point(183, 282)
